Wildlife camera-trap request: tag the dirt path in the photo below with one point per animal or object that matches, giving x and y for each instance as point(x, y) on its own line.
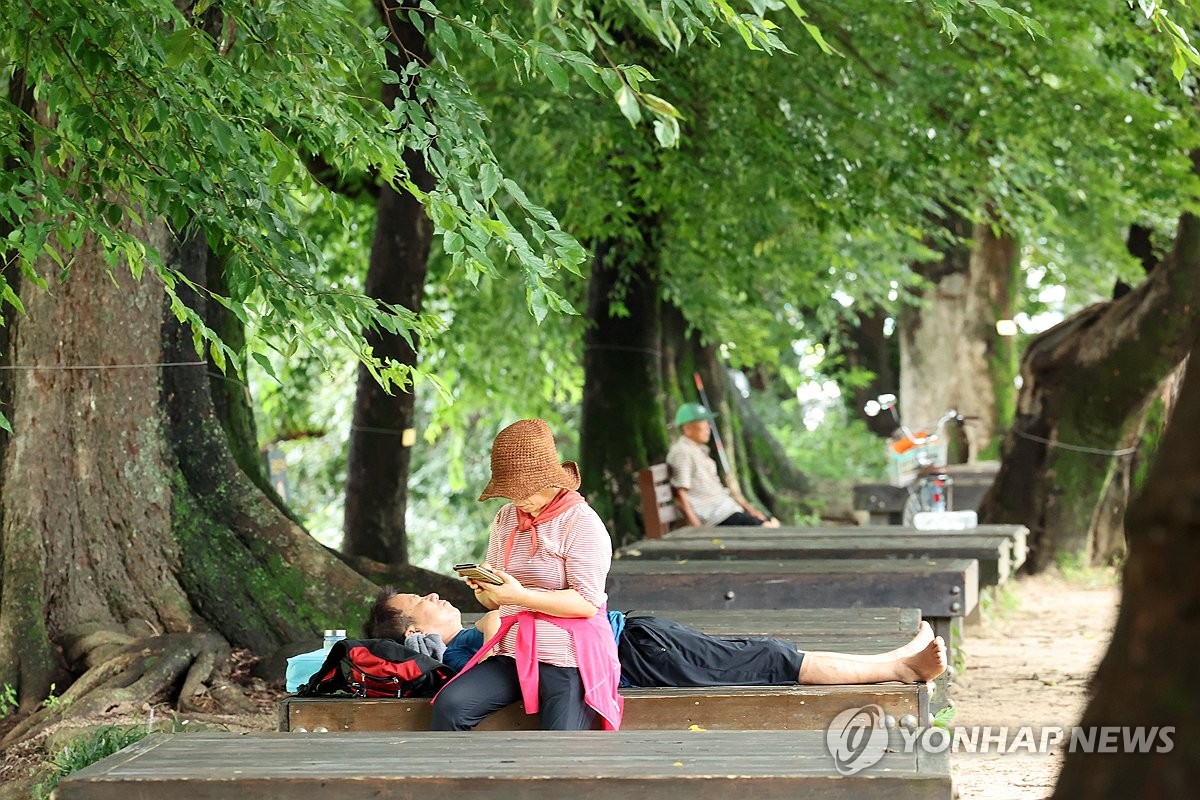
point(1029, 663)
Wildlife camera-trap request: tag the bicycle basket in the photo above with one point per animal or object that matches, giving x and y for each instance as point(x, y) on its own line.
point(902, 466)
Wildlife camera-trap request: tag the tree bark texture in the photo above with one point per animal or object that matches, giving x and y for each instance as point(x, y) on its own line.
point(382, 434)
point(250, 571)
point(1146, 678)
point(124, 509)
point(950, 353)
point(1087, 383)
point(871, 349)
point(622, 428)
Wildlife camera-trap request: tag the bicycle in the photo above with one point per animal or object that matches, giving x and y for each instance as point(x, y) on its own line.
point(916, 460)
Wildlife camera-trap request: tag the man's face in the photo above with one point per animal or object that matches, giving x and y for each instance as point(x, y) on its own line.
point(698, 431)
point(430, 613)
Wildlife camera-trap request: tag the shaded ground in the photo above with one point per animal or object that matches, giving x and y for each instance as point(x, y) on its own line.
point(1029, 661)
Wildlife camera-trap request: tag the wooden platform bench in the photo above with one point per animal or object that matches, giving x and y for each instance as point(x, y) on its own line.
point(744, 708)
point(531, 765)
point(999, 549)
point(740, 708)
point(885, 503)
point(946, 590)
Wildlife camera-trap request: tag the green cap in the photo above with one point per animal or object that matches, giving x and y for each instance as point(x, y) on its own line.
point(691, 412)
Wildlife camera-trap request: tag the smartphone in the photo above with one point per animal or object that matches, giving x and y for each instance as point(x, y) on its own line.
point(476, 572)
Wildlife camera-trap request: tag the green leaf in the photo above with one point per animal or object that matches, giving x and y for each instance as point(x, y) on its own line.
point(553, 70)
point(628, 103)
point(280, 172)
point(4, 425)
point(265, 363)
point(489, 179)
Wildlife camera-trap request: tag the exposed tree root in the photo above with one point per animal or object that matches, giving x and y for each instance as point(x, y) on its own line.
point(192, 665)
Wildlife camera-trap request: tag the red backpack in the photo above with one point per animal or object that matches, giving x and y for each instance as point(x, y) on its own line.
point(376, 668)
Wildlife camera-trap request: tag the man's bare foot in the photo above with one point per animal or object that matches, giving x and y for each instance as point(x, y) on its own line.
point(926, 664)
point(916, 644)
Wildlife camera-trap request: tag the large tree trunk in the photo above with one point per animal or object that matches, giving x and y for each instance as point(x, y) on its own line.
point(125, 511)
point(1147, 677)
point(950, 353)
point(871, 349)
point(1087, 384)
point(382, 435)
point(622, 428)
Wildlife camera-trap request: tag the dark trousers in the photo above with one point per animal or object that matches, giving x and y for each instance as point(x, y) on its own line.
point(492, 684)
point(656, 651)
point(740, 519)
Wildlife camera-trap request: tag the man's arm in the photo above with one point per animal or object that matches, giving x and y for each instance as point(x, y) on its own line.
point(489, 624)
point(685, 507)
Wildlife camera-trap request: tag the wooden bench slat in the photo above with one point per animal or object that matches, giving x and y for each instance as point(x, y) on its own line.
point(826, 530)
point(939, 587)
point(716, 708)
point(994, 552)
point(702, 765)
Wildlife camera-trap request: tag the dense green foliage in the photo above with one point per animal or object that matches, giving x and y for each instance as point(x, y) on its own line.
point(791, 152)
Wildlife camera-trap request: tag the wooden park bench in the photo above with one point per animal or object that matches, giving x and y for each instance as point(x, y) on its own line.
point(999, 549)
point(532, 765)
point(885, 503)
point(713, 708)
point(946, 590)
point(659, 513)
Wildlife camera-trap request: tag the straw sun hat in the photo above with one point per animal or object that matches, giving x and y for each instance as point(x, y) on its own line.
point(525, 461)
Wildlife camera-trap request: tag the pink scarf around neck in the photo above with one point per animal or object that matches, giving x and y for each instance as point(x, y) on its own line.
point(564, 501)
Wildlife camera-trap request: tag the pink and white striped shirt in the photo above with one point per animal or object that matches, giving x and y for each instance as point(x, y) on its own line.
point(574, 552)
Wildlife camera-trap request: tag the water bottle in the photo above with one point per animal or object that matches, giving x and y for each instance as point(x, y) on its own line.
point(332, 637)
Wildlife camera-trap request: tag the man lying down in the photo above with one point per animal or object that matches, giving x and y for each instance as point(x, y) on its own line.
point(659, 652)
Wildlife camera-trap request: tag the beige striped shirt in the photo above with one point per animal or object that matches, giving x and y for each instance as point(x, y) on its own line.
point(693, 469)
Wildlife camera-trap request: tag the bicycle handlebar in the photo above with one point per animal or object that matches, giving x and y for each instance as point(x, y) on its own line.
point(888, 402)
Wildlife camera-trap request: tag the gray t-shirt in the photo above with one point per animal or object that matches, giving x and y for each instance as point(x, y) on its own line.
point(692, 468)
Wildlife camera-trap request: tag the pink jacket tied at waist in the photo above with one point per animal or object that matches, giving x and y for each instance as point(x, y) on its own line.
point(595, 651)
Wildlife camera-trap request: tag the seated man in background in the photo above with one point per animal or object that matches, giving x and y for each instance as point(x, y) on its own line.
point(658, 652)
point(699, 493)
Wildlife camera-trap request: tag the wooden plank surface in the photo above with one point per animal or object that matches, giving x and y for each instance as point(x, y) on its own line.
point(828, 530)
point(534, 765)
point(1018, 534)
point(718, 708)
point(939, 587)
point(864, 629)
point(994, 552)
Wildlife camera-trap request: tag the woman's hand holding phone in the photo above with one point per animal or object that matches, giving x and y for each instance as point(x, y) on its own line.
point(509, 593)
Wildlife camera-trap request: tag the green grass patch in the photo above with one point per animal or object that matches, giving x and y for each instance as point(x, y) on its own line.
point(1075, 570)
point(83, 751)
point(998, 603)
point(8, 700)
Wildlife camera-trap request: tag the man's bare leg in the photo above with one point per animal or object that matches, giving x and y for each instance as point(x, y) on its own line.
point(829, 669)
point(915, 645)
